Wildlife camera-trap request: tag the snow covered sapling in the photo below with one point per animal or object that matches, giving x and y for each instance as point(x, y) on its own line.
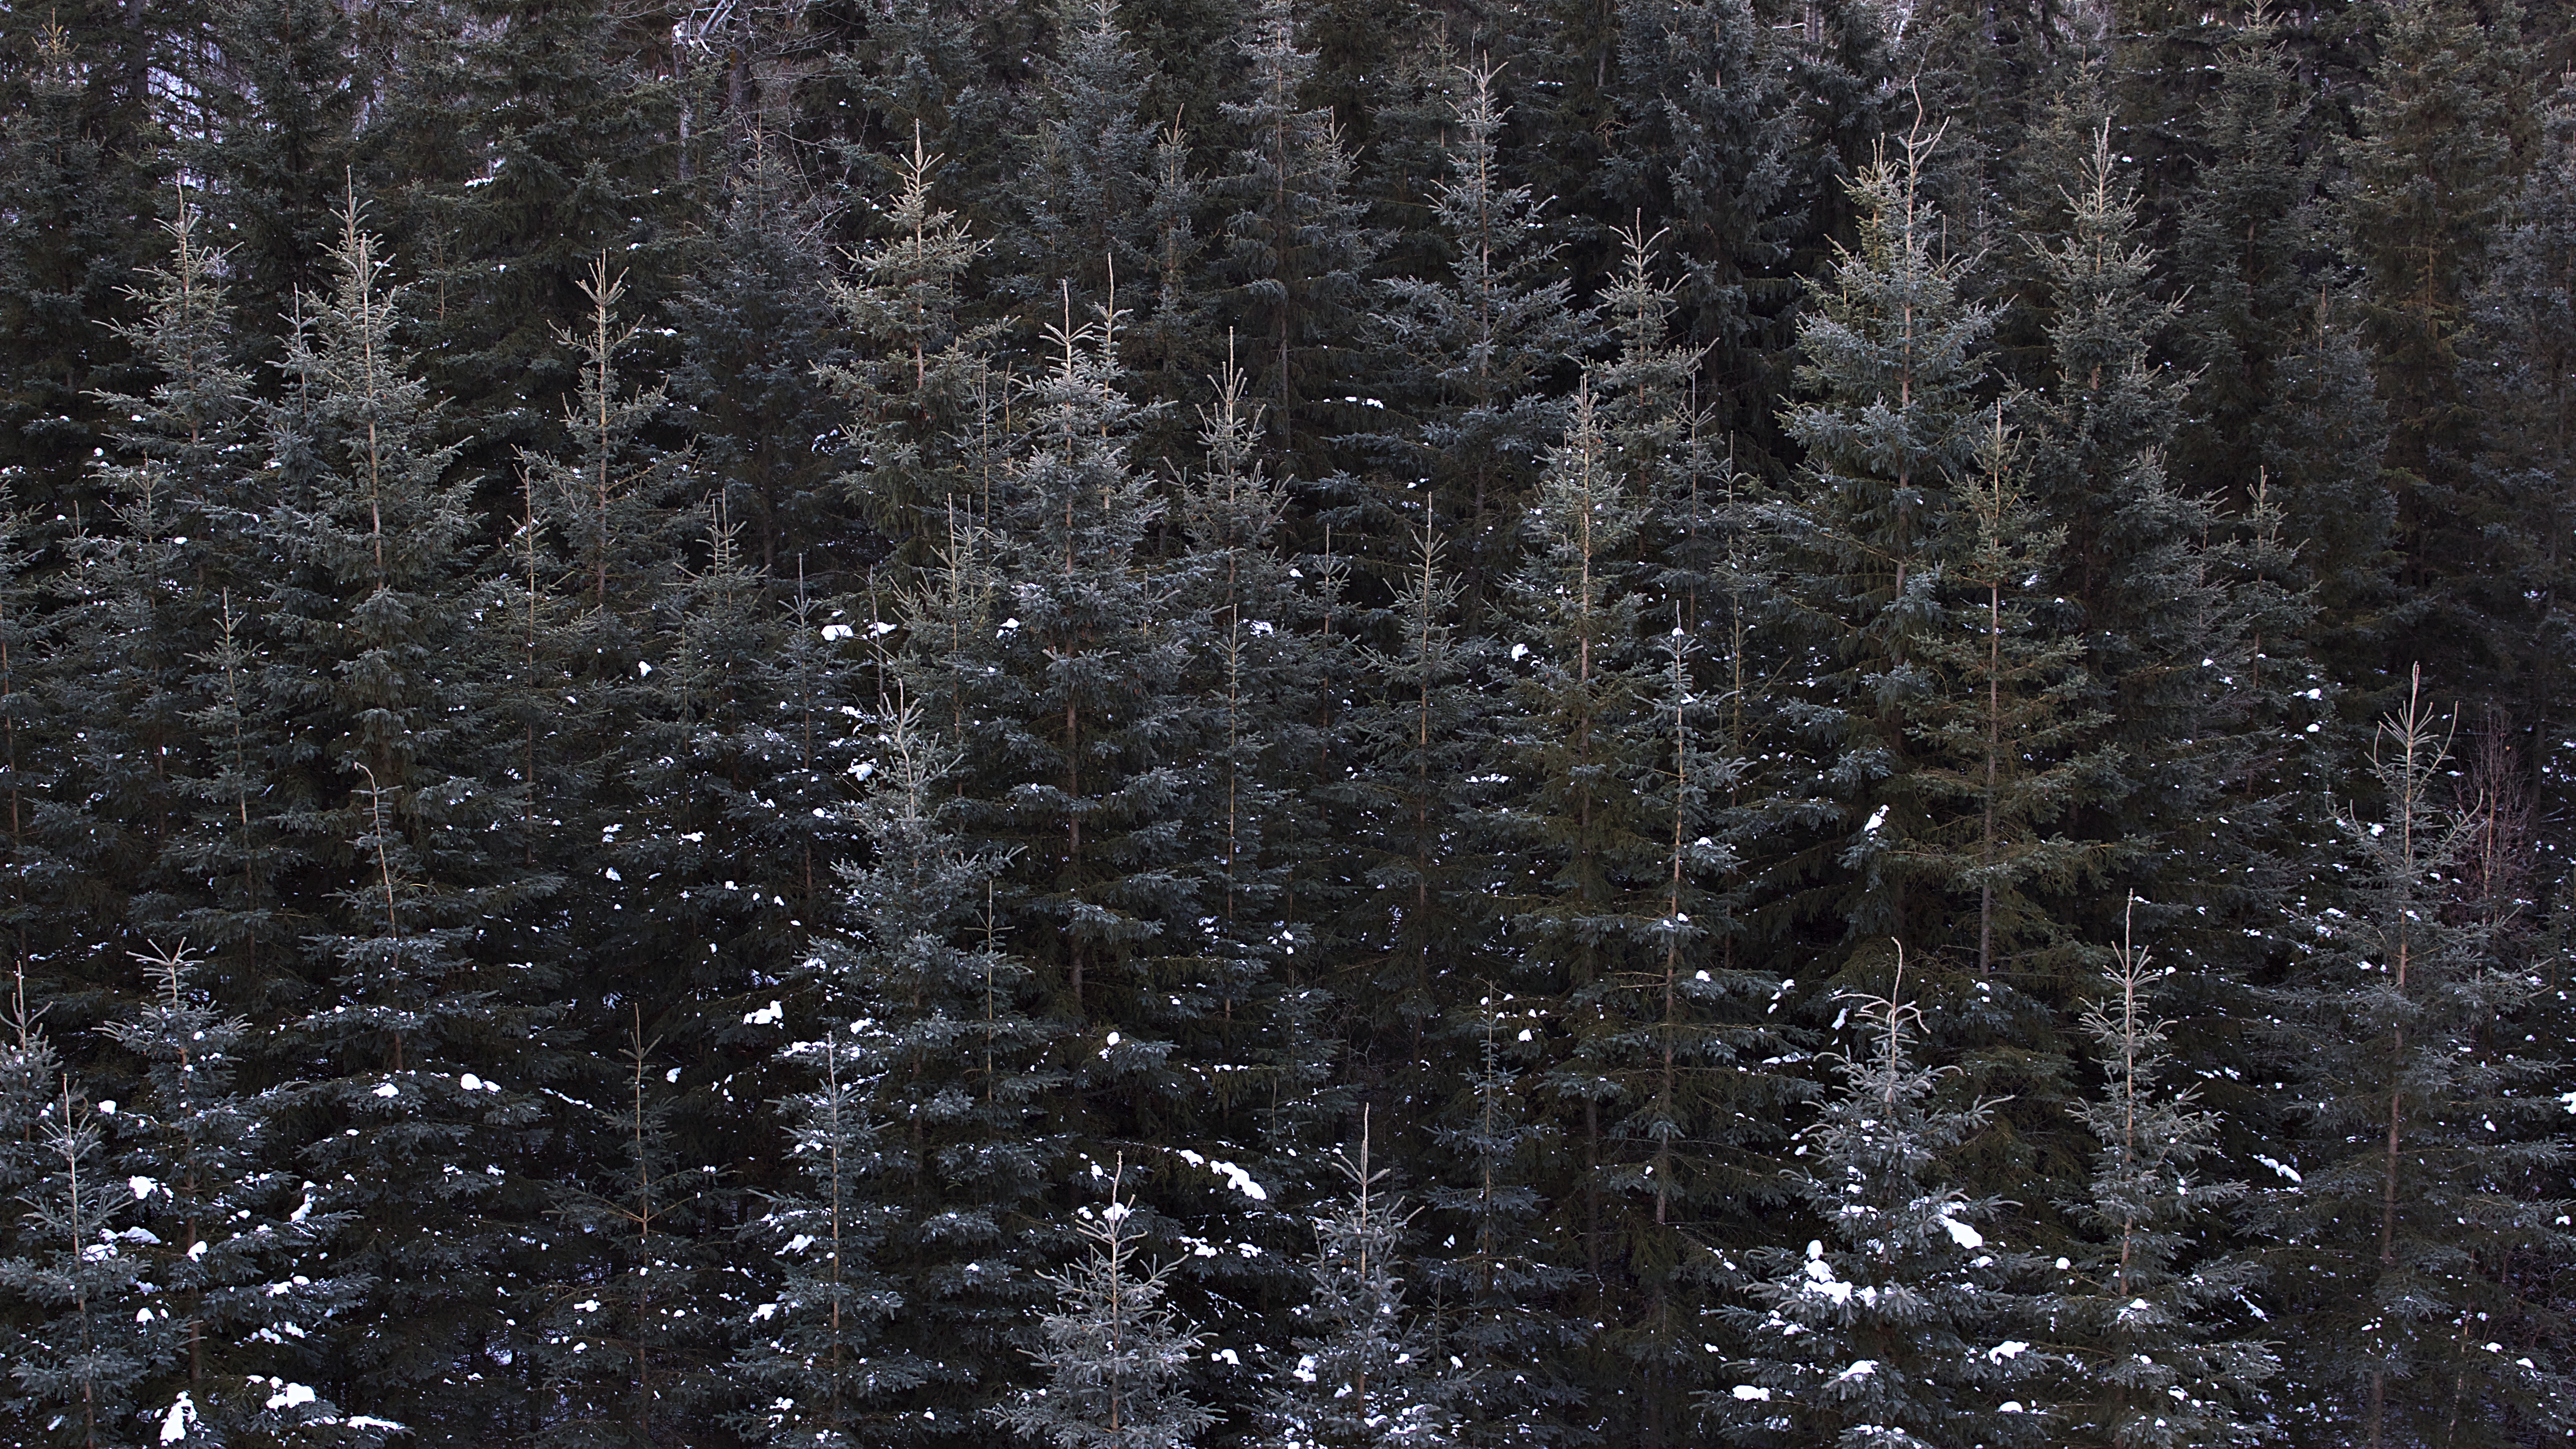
point(811, 1351)
point(83, 1345)
point(1113, 1350)
point(1897, 1327)
point(1365, 1375)
point(235, 1255)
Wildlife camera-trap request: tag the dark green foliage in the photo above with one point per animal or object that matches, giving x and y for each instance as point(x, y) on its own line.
point(1295, 252)
point(1366, 1372)
point(758, 335)
point(79, 156)
point(2142, 1318)
point(1473, 352)
point(2421, 1100)
point(865, 620)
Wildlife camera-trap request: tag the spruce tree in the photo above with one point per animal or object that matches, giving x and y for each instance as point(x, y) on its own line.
point(1708, 153)
point(757, 330)
point(1090, 165)
point(1890, 432)
point(369, 713)
point(238, 1257)
point(1475, 352)
point(1295, 258)
point(2526, 323)
point(1898, 1323)
point(141, 606)
point(917, 1136)
point(1114, 1352)
point(2421, 1102)
point(1494, 1278)
point(914, 374)
point(2430, 175)
point(1419, 934)
point(92, 1337)
point(1365, 1374)
point(81, 148)
point(2245, 230)
point(2145, 1320)
point(626, 1346)
point(571, 151)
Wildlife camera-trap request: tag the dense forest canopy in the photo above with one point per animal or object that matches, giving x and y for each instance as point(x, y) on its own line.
point(1176, 724)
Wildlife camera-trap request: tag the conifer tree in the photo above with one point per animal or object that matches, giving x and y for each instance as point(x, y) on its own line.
point(2143, 1322)
point(278, 123)
point(914, 372)
point(368, 707)
point(1581, 745)
point(809, 1356)
point(571, 152)
point(80, 149)
point(2526, 323)
point(2324, 461)
point(90, 1346)
point(1295, 259)
point(917, 1137)
point(1091, 167)
point(1495, 1279)
point(2422, 1101)
point(237, 1255)
point(27, 718)
point(141, 608)
point(2430, 174)
point(1898, 1323)
point(1265, 657)
point(1997, 752)
point(2243, 232)
point(1891, 430)
point(1708, 102)
point(626, 1348)
point(1113, 1350)
point(1422, 933)
point(757, 326)
point(1364, 1374)
point(1477, 349)
point(2192, 619)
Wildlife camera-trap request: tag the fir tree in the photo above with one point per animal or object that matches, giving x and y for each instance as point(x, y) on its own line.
point(914, 373)
point(2244, 233)
point(1709, 103)
point(2526, 322)
point(1891, 431)
point(1477, 349)
point(917, 1135)
point(1495, 1280)
point(2431, 172)
point(626, 1348)
point(757, 328)
point(80, 151)
point(1091, 164)
point(140, 607)
point(1296, 253)
point(368, 711)
point(89, 1348)
point(239, 1258)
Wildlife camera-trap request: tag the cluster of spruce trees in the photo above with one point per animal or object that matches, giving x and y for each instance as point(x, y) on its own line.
point(1224, 723)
